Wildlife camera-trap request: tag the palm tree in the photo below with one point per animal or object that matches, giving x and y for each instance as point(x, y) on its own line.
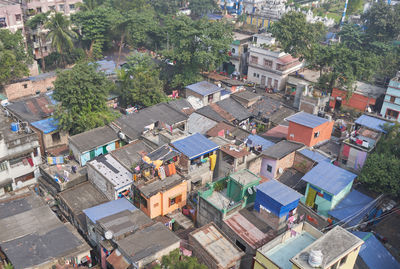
point(60, 34)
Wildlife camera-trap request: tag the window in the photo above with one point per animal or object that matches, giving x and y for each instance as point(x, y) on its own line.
point(392, 113)
point(175, 200)
point(254, 60)
point(254, 75)
point(143, 201)
point(233, 50)
point(210, 98)
point(343, 261)
point(25, 86)
point(335, 266)
point(241, 160)
point(156, 205)
point(61, 7)
point(72, 7)
point(36, 152)
point(258, 75)
point(39, 10)
point(267, 63)
point(37, 92)
point(52, 8)
point(392, 99)
point(316, 134)
point(3, 22)
point(344, 161)
point(3, 166)
point(45, 48)
point(18, 17)
point(240, 245)
point(280, 67)
point(269, 168)
point(56, 137)
point(291, 135)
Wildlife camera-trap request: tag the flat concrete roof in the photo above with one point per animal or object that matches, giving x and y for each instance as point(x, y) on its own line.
point(244, 177)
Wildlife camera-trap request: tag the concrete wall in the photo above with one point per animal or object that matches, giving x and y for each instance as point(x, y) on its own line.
point(100, 182)
point(158, 255)
point(28, 88)
point(46, 141)
point(204, 99)
point(206, 213)
point(305, 134)
point(9, 12)
point(254, 165)
point(392, 91)
point(264, 165)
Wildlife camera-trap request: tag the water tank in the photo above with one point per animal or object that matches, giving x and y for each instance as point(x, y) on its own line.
point(315, 258)
point(14, 126)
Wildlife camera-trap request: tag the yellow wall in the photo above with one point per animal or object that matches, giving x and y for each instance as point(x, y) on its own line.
point(261, 262)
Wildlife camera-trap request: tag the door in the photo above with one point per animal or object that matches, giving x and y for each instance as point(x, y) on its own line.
point(311, 197)
point(269, 82)
point(263, 78)
point(275, 84)
point(92, 154)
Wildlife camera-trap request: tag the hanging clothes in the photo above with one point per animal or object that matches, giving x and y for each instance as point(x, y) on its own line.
point(172, 169)
point(346, 150)
point(161, 172)
point(213, 161)
point(30, 161)
point(167, 172)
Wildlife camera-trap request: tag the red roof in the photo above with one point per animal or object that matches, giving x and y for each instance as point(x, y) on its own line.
point(279, 131)
point(287, 59)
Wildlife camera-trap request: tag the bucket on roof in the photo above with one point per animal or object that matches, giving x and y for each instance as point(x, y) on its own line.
point(15, 126)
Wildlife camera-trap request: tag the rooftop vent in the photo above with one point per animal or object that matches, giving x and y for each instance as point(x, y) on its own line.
point(315, 258)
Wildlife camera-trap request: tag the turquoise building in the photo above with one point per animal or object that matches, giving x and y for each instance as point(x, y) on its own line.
point(327, 185)
point(391, 104)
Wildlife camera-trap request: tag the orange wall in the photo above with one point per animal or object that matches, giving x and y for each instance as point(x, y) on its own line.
point(305, 134)
point(158, 204)
point(356, 101)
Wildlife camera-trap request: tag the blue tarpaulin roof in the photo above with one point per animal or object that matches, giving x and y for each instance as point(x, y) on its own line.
point(279, 192)
point(108, 67)
point(107, 209)
point(313, 155)
point(195, 145)
point(255, 140)
point(352, 208)
point(42, 76)
point(329, 177)
point(306, 119)
point(371, 123)
point(204, 88)
point(47, 125)
point(374, 254)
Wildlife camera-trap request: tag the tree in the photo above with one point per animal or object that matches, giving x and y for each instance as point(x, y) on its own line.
point(382, 21)
point(352, 36)
point(296, 35)
point(60, 33)
point(81, 93)
point(139, 82)
point(178, 261)
point(354, 6)
point(13, 57)
point(202, 7)
point(163, 7)
point(37, 23)
point(87, 5)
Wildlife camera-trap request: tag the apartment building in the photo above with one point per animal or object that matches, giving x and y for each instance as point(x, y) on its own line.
point(11, 15)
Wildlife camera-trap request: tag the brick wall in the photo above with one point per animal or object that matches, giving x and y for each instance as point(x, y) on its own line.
point(285, 162)
point(28, 88)
point(254, 165)
point(302, 163)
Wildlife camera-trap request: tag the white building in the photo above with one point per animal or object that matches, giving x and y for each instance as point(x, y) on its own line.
point(269, 66)
point(239, 51)
point(19, 155)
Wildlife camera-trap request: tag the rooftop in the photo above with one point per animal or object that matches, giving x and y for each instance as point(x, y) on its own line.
point(329, 177)
point(199, 123)
point(131, 154)
point(278, 117)
point(181, 105)
point(264, 107)
point(17, 206)
point(372, 123)
point(369, 90)
point(281, 149)
point(279, 192)
point(47, 125)
point(103, 210)
point(373, 253)
point(160, 185)
point(307, 74)
point(234, 108)
point(152, 240)
point(256, 140)
point(306, 119)
point(214, 242)
point(112, 170)
point(333, 244)
point(235, 151)
point(279, 131)
point(94, 138)
point(330, 147)
point(313, 155)
point(194, 146)
point(211, 113)
point(244, 177)
point(221, 126)
point(292, 178)
point(246, 95)
point(204, 88)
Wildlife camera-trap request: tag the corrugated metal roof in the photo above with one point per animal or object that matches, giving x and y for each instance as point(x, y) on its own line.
point(306, 119)
point(279, 192)
point(372, 123)
point(282, 149)
point(255, 140)
point(374, 254)
point(204, 88)
point(313, 155)
point(47, 125)
point(195, 145)
point(107, 209)
point(329, 177)
point(355, 205)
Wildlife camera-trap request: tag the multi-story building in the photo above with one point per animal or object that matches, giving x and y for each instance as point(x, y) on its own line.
point(19, 155)
point(391, 104)
point(239, 52)
point(269, 66)
point(11, 15)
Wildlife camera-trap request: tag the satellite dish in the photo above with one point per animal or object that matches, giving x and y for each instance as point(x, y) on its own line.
point(108, 235)
point(250, 190)
point(121, 135)
point(280, 170)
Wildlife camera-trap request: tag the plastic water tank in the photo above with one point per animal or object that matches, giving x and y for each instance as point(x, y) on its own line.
point(14, 126)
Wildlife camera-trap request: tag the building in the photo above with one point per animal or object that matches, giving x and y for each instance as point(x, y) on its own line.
point(110, 177)
point(73, 201)
point(363, 98)
point(240, 114)
point(131, 154)
point(198, 159)
point(275, 202)
point(238, 52)
point(246, 98)
point(212, 248)
point(391, 104)
point(327, 185)
point(258, 144)
point(11, 16)
point(19, 155)
point(36, 238)
point(373, 253)
point(269, 66)
point(206, 92)
point(30, 86)
point(226, 196)
point(309, 129)
point(277, 133)
point(362, 141)
point(90, 144)
point(277, 158)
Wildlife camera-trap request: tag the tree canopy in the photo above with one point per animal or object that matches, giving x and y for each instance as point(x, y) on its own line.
point(178, 261)
point(203, 7)
point(82, 92)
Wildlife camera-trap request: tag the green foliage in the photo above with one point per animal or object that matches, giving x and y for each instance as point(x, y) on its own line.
point(55, 60)
point(13, 58)
point(8, 266)
point(139, 82)
point(177, 261)
point(354, 6)
point(381, 171)
point(170, 7)
point(82, 93)
point(203, 7)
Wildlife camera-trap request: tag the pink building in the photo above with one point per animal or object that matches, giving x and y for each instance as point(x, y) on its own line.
point(11, 15)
